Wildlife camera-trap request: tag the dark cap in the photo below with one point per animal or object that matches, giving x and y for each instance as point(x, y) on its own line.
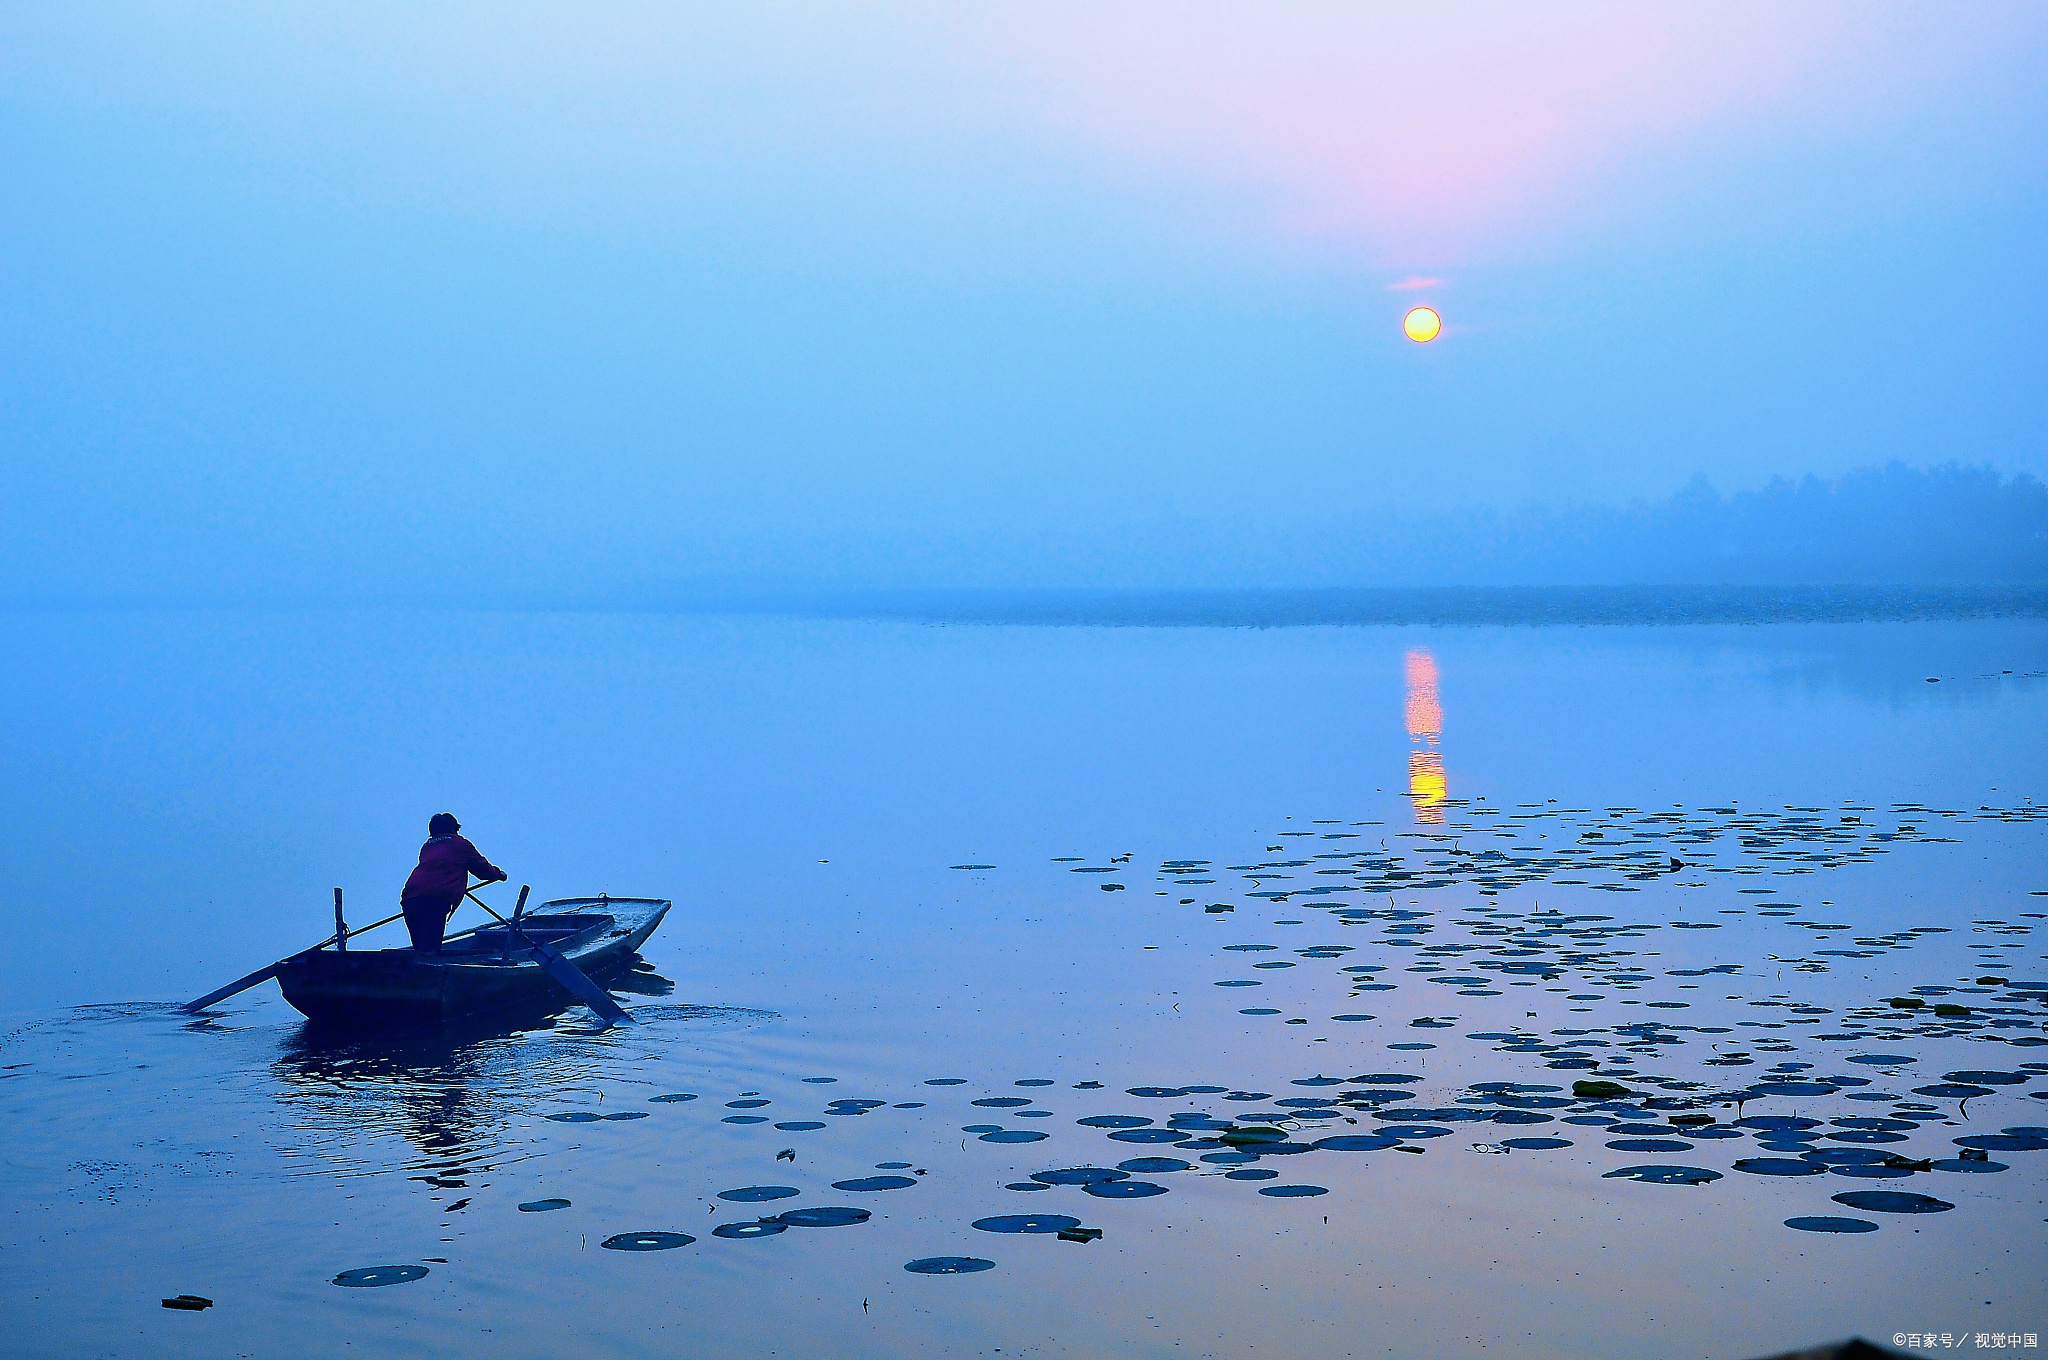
point(443, 824)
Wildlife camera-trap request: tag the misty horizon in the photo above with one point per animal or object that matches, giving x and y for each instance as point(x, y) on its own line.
point(493, 306)
point(1949, 526)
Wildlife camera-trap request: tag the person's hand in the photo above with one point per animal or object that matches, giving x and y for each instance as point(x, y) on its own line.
point(502, 877)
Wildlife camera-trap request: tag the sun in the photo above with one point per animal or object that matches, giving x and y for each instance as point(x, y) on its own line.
point(1422, 324)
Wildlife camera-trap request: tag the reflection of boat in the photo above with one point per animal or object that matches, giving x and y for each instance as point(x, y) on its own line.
point(452, 1089)
point(487, 969)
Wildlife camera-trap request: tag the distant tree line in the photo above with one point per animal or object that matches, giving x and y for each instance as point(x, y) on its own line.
point(1894, 525)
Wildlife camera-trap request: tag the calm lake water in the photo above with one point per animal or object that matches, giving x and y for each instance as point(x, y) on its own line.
point(1384, 892)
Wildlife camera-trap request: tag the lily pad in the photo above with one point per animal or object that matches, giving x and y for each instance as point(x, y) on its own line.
point(2002, 1142)
point(1079, 1175)
point(865, 1184)
point(1779, 1166)
point(948, 1265)
point(373, 1277)
point(1026, 1223)
point(742, 1232)
point(830, 1216)
point(1357, 1142)
point(1123, 1189)
point(1664, 1175)
point(1892, 1202)
point(1252, 1136)
point(646, 1241)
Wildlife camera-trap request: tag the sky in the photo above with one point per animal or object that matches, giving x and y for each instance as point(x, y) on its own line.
point(531, 303)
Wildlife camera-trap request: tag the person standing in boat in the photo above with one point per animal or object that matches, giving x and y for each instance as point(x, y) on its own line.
point(436, 886)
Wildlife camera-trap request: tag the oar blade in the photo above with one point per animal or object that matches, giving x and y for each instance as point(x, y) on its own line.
point(579, 985)
point(241, 984)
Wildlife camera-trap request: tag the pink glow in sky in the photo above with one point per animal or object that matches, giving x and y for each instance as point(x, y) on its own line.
point(1404, 138)
point(1430, 133)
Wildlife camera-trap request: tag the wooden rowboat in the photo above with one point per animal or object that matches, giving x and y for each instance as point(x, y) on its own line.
point(489, 968)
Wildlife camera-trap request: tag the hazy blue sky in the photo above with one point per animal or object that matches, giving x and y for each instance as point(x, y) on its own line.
point(521, 298)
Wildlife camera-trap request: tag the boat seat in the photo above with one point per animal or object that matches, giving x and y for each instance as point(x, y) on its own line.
point(547, 929)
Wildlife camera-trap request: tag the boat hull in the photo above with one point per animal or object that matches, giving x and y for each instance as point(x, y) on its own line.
point(484, 971)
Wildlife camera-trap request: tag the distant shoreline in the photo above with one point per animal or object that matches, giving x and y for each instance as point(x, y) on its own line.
point(1432, 606)
point(1533, 606)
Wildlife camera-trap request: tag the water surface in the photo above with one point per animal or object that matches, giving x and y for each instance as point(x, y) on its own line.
point(1459, 839)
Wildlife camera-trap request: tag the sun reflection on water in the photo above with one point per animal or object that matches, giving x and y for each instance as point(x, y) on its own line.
point(1428, 786)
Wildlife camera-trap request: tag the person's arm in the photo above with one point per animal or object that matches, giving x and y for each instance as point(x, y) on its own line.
point(483, 868)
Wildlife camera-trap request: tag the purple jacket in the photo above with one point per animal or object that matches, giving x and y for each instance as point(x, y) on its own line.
point(446, 862)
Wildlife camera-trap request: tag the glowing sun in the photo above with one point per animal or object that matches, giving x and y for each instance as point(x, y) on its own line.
point(1422, 324)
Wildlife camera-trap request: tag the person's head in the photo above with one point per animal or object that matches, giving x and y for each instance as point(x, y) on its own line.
point(443, 824)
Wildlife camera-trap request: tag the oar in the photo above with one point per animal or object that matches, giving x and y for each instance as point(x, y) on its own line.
point(243, 984)
point(560, 969)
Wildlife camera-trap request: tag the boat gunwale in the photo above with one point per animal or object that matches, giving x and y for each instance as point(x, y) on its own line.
point(327, 979)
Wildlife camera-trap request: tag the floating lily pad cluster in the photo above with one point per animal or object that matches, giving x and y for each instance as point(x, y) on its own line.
point(1688, 1093)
